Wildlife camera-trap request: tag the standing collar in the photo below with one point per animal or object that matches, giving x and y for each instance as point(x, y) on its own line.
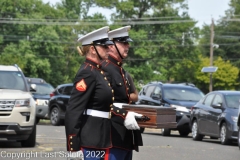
point(93, 63)
point(114, 60)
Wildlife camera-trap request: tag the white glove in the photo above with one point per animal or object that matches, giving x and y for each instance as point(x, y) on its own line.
point(130, 121)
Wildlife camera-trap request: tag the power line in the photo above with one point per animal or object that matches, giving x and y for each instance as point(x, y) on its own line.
point(96, 23)
point(75, 20)
point(152, 46)
point(139, 59)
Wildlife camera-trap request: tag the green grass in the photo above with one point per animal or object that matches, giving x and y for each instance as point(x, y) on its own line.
point(44, 121)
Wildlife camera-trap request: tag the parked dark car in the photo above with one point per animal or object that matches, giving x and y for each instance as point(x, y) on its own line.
point(58, 103)
point(181, 96)
point(41, 94)
point(216, 116)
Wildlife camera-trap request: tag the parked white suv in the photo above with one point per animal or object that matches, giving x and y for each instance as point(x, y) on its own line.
point(17, 107)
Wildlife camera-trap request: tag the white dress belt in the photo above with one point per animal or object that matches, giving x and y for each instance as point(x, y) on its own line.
point(96, 113)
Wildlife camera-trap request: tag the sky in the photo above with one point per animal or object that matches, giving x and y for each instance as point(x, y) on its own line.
point(200, 10)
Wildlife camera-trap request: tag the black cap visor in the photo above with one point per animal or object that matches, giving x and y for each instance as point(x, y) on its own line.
point(123, 39)
point(105, 41)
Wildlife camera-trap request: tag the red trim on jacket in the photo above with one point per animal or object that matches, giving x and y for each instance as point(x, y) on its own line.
point(119, 114)
point(106, 157)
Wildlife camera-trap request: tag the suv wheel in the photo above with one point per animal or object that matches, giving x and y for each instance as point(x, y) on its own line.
point(183, 133)
point(166, 132)
point(195, 134)
point(31, 141)
point(37, 120)
point(55, 116)
point(223, 135)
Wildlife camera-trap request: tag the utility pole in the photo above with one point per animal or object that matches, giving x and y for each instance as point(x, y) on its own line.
point(211, 53)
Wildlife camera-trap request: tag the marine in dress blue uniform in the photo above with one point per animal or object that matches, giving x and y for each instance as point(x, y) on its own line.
point(87, 119)
point(124, 140)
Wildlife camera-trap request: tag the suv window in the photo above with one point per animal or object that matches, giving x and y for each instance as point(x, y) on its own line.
point(43, 88)
point(208, 100)
point(12, 80)
point(157, 92)
point(149, 90)
point(217, 100)
point(60, 90)
point(233, 101)
point(182, 94)
point(67, 90)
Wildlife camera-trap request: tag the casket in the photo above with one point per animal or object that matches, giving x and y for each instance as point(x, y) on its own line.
point(160, 117)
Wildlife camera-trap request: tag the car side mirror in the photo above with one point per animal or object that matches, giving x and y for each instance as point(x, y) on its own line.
point(33, 88)
point(217, 106)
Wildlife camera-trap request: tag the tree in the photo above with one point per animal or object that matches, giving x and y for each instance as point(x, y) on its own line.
point(226, 35)
point(162, 35)
point(225, 78)
point(30, 41)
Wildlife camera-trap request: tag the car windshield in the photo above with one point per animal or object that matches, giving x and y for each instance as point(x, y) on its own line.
point(43, 88)
point(183, 94)
point(232, 101)
point(12, 80)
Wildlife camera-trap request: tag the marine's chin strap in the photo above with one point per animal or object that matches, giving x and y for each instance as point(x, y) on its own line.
point(97, 52)
point(117, 50)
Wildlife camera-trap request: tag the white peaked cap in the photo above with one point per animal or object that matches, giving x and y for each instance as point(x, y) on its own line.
point(120, 32)
point(95, 35)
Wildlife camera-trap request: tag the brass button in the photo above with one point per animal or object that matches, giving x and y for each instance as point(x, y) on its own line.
point(106, 60)
point(112, 91)
point(109, 84)
point(71, 137)
point(71, 143)
point(105, 78)
point(126, 81)
point(111, 108)
point(118, 63)
point(127, 88)
point(111, 105)
point(123, 75)
point(124, 114)
point(117, 110)
point(113, 98)
point(102, 72)
point(120, 83)
point(97, 66)
point(71, 149)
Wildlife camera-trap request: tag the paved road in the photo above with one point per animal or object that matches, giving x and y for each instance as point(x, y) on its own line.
point(51, 145)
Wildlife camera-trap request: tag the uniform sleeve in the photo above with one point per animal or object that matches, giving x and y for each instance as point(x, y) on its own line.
point(133, 91)
point(84, 85)
point(131, 84)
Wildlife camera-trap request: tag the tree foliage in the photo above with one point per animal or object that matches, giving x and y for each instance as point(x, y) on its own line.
point(42, 39)
point(225, 78)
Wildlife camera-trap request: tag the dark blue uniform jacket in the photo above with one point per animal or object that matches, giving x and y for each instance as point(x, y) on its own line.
point(91, 91)
point(121, 137)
